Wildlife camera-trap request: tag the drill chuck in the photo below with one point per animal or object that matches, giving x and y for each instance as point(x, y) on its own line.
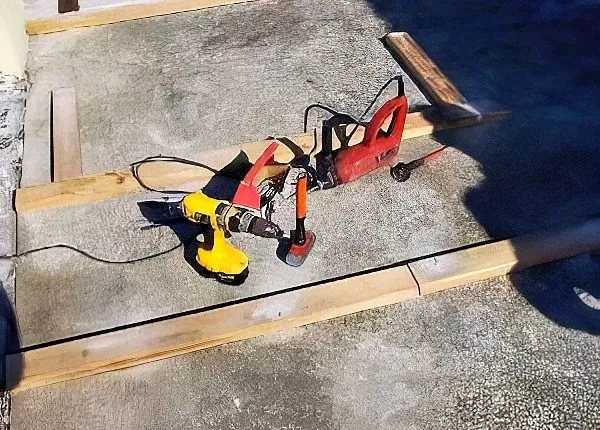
point(245, 221)
point(263, 228)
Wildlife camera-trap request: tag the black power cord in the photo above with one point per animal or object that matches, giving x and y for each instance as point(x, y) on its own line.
point(135, 167)
point(135, 172)
point(90, 256)
point(327, 109)
point(352, 120)
point(381, 90)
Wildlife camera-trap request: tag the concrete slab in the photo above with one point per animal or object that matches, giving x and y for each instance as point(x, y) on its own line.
point(534, 58)
point(188, 82)
point(365, 224)
point(474, 357)
point(479, 357)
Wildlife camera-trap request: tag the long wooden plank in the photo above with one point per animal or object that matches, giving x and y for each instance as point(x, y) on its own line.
point(65, 146)
point(486, 261)
point(118, 13)
point(423, 71)
point(98, 187)
point(168, 338)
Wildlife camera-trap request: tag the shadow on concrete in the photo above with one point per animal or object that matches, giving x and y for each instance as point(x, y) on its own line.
point(11, 369)
point(193, 236)
point(568, 292)
point(226, 182)
point(541, 60)
point(186, 231)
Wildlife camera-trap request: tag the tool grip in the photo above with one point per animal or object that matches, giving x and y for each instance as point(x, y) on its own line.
point(301, 195)
point(397, 108)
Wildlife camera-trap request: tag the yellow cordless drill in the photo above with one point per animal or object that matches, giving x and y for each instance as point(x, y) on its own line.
point(216, 255)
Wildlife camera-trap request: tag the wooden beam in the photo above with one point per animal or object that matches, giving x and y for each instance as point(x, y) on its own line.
point(98, 187)
point(171, 337)
point(496, 259)
point(65, 146)
point(118, 13)
point(177, 335)
point(436, 86)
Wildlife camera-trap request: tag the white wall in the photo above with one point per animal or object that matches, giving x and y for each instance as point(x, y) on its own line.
point(13, 40)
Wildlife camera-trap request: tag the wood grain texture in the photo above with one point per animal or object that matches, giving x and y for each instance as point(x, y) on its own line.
point(256, 317)
point(423, 71)
point(98, 187)
point(168, 338)
point(507, 256)
point(65, 145)
point(118, 13)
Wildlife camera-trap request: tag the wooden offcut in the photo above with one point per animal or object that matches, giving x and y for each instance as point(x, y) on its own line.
point(500, 258)
point(109, 14)
point(65, 146)
point(171, 337)
point(434, 84)
point(98, 187)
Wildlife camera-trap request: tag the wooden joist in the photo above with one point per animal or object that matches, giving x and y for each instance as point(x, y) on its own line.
point(109, 14)
point(495, 259)
point(436, 86)
point(171, 337)
point(282, 310)
point(93, 188)
point(64, 144)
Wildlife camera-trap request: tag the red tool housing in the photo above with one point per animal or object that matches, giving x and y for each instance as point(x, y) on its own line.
point(247, 194)
point(378, 147)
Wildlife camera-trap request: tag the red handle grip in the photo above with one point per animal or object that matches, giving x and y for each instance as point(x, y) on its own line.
point(398, 108)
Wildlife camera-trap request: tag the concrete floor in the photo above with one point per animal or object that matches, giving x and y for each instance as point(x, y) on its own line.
point(190, 95)
point(518, 353)
point(365, 224)
point(181, 84)
point(475, 357)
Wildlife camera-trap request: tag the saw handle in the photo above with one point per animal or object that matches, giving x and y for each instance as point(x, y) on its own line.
point(397, 108)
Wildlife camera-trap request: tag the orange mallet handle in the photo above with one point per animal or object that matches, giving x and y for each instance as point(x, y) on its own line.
point(301, 192)
point(302, 240)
